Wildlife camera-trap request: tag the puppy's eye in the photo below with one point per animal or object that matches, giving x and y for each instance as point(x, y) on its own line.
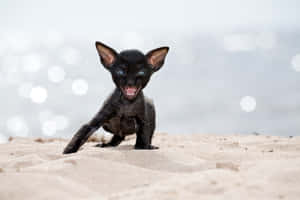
point(120, 72)
point(141, 73)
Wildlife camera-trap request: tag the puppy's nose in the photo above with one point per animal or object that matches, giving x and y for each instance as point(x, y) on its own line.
point(130, 82)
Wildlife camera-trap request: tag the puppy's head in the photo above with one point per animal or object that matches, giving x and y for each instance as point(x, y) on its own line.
point(131, 69)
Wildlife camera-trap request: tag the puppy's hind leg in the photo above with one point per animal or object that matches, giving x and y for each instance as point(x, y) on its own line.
point(113, 126)
point(152, 116)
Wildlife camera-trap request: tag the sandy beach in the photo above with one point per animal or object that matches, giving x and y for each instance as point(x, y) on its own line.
point(187, 166)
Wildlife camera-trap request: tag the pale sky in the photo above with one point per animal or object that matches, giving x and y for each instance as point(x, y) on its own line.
point(93, 17)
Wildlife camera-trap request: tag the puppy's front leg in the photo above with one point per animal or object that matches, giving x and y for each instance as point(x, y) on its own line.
point(144, 135)
point(88, 129)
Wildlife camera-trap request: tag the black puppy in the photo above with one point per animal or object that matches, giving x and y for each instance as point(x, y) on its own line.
point(127, 110)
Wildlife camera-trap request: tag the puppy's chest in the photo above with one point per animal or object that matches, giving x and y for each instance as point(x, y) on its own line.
point(131, 110)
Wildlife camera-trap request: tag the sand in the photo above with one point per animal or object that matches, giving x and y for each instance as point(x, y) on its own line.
point(187, 166)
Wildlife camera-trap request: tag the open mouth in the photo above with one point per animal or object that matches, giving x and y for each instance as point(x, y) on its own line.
point(130, 91)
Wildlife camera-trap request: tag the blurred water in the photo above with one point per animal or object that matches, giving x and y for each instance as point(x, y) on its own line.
point(236, 80)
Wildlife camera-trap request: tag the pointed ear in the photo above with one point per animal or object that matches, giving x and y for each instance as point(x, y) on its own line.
point(107, 55)
point(156, 57)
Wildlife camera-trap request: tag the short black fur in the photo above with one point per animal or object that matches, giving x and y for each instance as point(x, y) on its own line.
point(127, 110)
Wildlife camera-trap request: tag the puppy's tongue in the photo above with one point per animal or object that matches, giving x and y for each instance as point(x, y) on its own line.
point(130, 91)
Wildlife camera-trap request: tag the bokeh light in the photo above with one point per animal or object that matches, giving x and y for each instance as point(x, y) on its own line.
point(24, 90)
point(52, 123)
point(17, 126)
point(56, 74)
point(80, 87)
point(296, 62)
point(70, 56)
point(32, 62)
point(16, 41)
point(49, 128)
point(248, 104)
point(38, 94)
point(61, 121)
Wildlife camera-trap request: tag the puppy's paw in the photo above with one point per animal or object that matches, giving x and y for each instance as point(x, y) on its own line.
point(102, 145)
point(148, 147)
point(70, 149)
point(153, 147)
